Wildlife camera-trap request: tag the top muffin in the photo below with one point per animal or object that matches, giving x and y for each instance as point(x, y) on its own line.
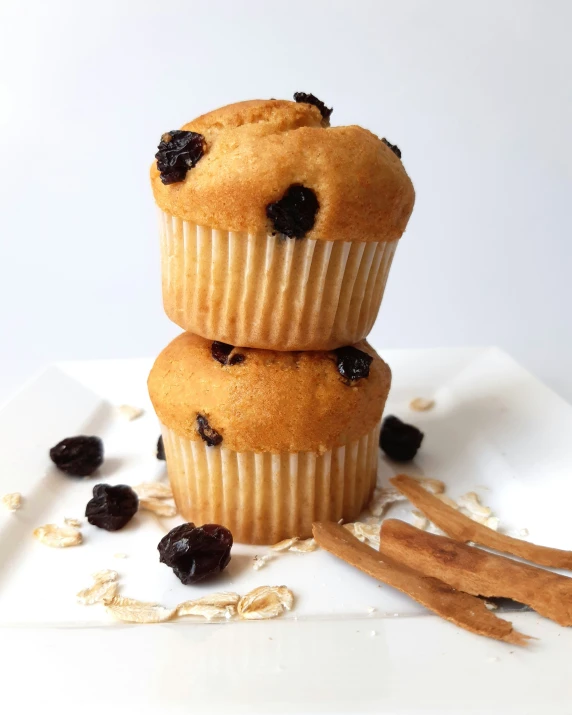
point(255, 159)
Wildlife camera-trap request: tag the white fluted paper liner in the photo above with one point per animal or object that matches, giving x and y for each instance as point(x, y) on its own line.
point(271, 292)
point(263, 497)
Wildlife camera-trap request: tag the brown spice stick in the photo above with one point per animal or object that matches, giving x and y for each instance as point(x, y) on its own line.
point(461, 527)
point(478, 572)
point(460, 608)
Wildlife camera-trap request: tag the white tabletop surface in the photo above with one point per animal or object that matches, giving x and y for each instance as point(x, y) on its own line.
point(475, 94)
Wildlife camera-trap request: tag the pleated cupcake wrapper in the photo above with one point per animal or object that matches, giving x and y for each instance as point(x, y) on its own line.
point(270, 291)
point(264, 497)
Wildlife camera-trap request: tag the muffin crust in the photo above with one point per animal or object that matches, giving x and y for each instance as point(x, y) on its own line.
point(271, 402)
point(256, 150)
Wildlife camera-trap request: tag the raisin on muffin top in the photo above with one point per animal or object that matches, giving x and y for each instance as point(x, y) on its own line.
point(252, 155)
point(270, 401)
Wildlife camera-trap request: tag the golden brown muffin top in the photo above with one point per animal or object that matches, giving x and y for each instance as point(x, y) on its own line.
point(255, 150)
point(270, 402)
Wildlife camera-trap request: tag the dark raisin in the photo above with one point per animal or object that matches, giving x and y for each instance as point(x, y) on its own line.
point(221, 351)
point(399, 440)
point(295, 213)
point(160, 448)
point(394, 148)
point(196, 552)
point(111, 507)
point(179, 151)
point(209, 435)
point(353, 363)
point(310, 99)
point(78, 456)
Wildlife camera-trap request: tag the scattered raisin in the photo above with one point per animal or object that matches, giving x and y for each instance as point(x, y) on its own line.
point(111, 507)
point(394, 148)
point(221, 351)
point(209, 435)
point(179, 151)
point(160, 448)
point(399, 440)
point(353, 363)
point(196, 552)
point(78, 456)
point(295, 213)
point(310, 99)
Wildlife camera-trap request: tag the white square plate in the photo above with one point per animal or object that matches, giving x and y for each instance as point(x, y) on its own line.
point(495, 429)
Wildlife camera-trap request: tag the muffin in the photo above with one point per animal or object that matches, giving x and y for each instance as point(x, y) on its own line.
point(266, 442)
point(277, 230)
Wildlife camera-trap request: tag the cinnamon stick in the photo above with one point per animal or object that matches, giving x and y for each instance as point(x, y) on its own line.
point(460, 608)
point(478, 572)
point(462, 528)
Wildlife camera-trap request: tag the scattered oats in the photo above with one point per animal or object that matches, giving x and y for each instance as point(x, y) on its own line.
point(76, 523)
point(491, 606)
point(103, 589)
point(371, 610)
point(523, 532)
point(265, 602)
point(432, 529)
point(421, 404)
point(132, 611)
point(260, 561)
point(435, 486)
point(366, 533)
point(12, 501)
point(215, 605)
point(373, 633)
point(420, 521)
point(493, 523)
point(304, 547)
point(472, 503)
point(383, 498)
point(448, 501)
point(58, 536)
point(120, 556)
point(129, 412)
point(340, 521)
point(285, 544)
point(153, 490)
point(160, 507)
point(105, 575)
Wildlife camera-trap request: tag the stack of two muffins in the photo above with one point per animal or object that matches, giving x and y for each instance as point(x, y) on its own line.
point(277, 233)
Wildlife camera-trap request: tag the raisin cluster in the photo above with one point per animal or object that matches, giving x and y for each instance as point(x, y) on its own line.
point(160, 448)
point(295, 213)
point(178, 152)
point(394, 148)
point(78, 456)
point(353, 364)
point(196, 552)
point(311, 99)
point(207, 433)
point(111, 507)
point(221, 352)
point(399, 440)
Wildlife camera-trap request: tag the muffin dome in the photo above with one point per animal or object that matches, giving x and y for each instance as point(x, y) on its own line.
point(255, 151)
point(266, 401)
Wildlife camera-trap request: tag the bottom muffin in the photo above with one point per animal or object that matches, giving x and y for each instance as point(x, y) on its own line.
point(266, 442)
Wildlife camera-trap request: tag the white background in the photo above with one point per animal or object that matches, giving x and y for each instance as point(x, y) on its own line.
point(476, 94)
